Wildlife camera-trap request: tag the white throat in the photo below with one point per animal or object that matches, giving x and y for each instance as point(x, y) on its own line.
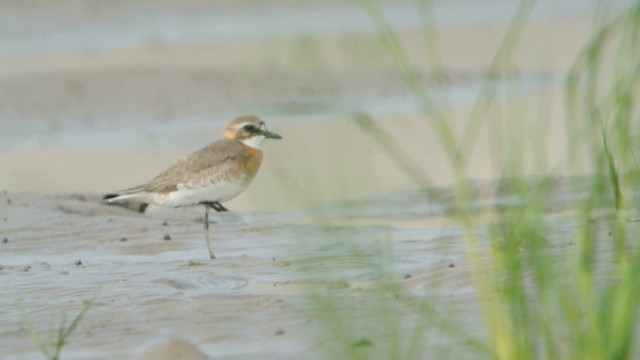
point(254, 141)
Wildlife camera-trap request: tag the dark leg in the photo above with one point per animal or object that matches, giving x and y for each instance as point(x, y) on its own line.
point(214, 205)
point(218, 207)
point(206, 232)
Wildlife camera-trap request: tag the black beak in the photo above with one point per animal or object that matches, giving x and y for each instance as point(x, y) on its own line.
point(271, 135)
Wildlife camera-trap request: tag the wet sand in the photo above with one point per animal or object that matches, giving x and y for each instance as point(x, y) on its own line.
point(329, 210)
point(259, 298)
point(251, 302)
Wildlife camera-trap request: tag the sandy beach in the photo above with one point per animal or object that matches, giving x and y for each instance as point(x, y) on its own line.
point(95, 98)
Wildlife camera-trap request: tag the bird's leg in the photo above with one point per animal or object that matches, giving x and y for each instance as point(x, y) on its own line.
point(215, 205)
point(206, 232)
point(218, 207)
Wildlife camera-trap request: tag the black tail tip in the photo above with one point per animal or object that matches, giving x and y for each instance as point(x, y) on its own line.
point(109, 196)
point(131, 205)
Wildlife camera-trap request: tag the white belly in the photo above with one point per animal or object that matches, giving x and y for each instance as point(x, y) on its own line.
point(186, 196)
point(189, 196)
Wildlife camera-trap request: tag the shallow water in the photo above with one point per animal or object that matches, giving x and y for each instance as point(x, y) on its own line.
point(114, 98)
point(46, 31)
point(67, 57)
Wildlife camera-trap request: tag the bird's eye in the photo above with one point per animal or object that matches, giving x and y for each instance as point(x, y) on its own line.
point(249, 128)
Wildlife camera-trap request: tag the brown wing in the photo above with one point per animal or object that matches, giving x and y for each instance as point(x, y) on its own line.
point(217, 157)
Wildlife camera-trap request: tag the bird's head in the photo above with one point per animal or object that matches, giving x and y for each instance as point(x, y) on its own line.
point(249, 130)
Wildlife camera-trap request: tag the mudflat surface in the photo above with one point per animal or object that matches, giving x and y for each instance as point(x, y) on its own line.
point(156, 281)
point(281, 284)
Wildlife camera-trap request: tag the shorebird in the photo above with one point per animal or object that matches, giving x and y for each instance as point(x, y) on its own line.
point(209, 176)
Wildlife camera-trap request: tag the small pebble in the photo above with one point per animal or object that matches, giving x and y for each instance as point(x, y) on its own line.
point(123, 239)
point(164, 223)
point(451, 265)
point(279, 332)
point(78, 262)
point(167, 237)
point(408, 276)
point(5, 240)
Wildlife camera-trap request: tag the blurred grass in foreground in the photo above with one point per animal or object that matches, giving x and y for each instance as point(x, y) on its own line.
point(52, 346)
point(583, 306)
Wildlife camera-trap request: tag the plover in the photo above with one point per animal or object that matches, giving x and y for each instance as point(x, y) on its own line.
point(209, 176)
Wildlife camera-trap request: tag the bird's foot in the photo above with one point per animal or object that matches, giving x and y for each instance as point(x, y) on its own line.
point(215, 205)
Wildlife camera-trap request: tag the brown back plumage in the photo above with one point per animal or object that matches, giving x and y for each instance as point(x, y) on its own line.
point(224, 157)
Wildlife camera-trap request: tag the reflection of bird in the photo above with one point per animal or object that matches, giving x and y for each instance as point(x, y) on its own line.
point(209, 176)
